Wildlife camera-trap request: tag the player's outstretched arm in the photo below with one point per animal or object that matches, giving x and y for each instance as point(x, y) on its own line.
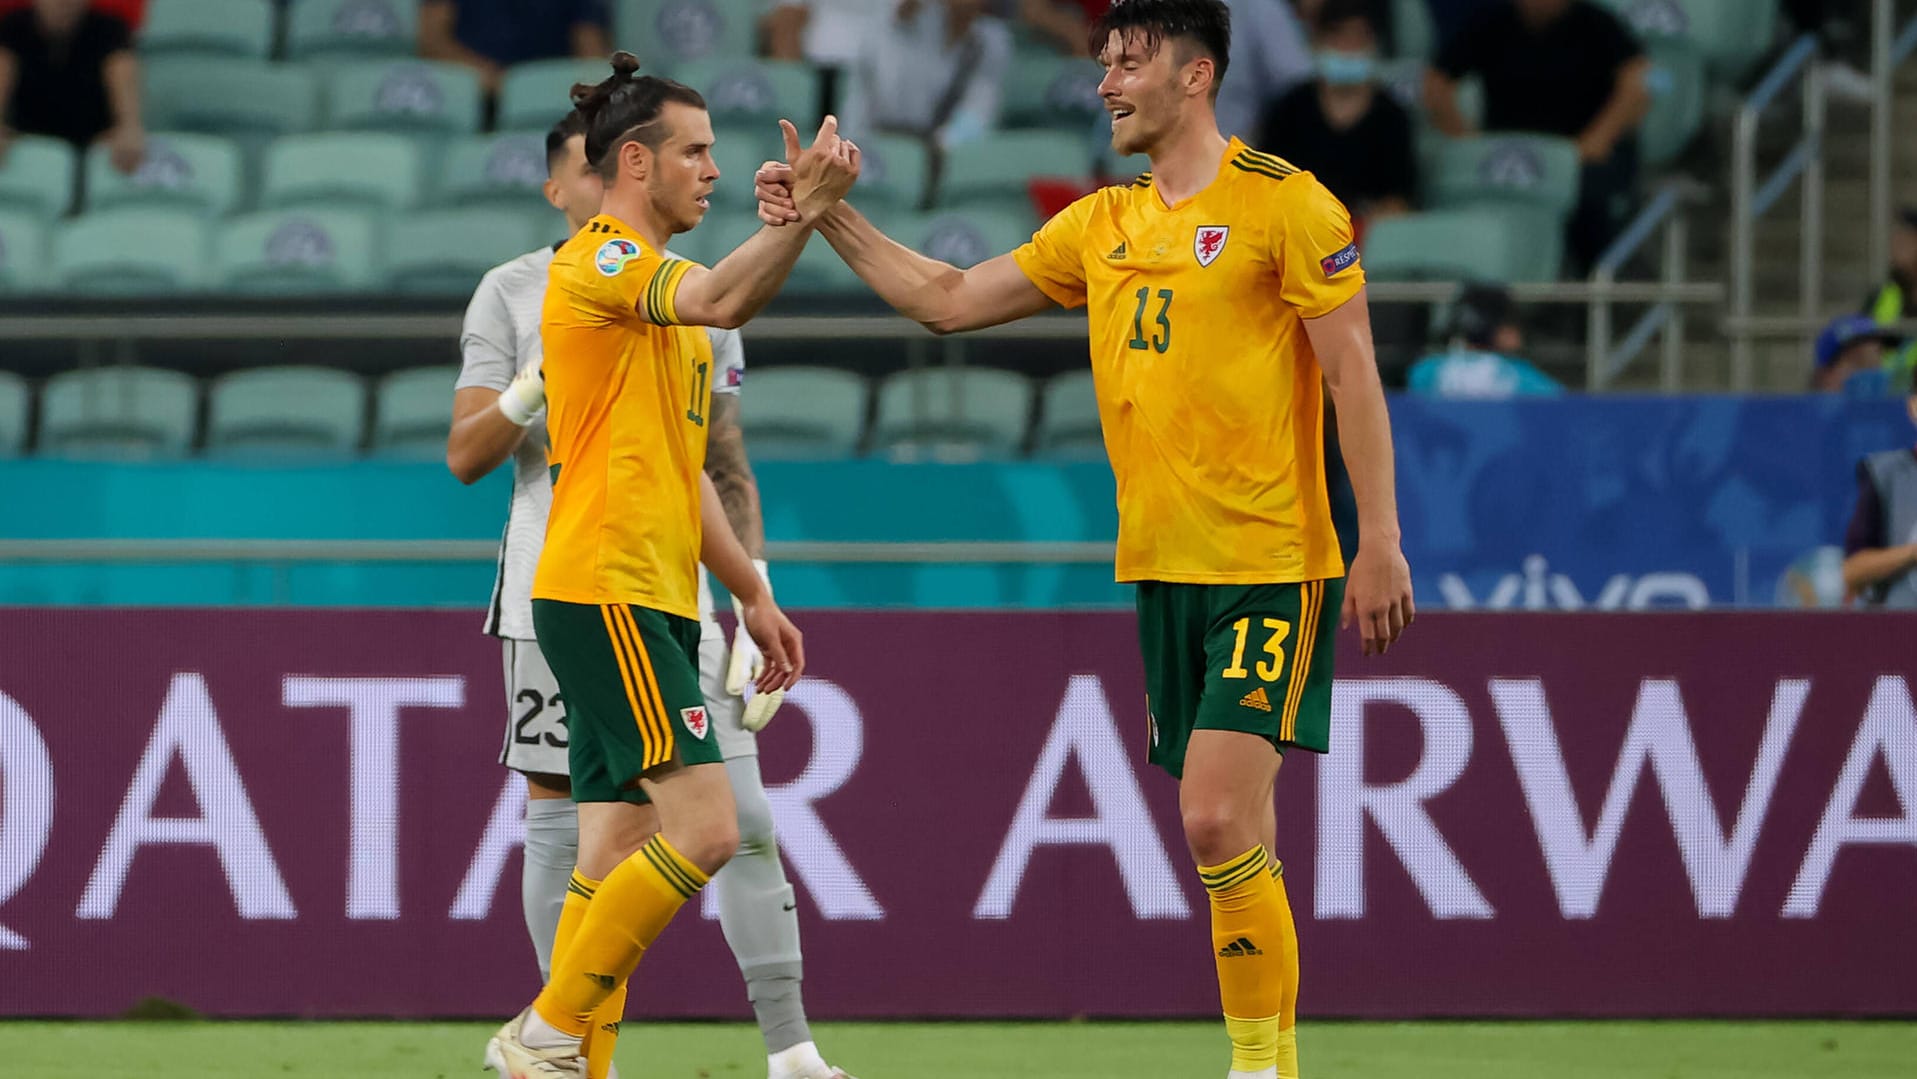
point(936, 295)
point(721, 553)
point(742, 283)
point(1378, 583)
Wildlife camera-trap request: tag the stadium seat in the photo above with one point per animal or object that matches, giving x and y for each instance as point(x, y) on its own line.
point(1481, 243)
point(819, 272)
point(208, 27)
point(1404, 81)
point(191, 172)
point(323, 29)
point(998, 168)
point(1054, 92)
point(446, 252)
point(1415, 34)
point(118, 412)
point(669, 33)
point(953, 413)
point(895, 172)
point(14, 401)
point(23, 251)
point(285, 411)
point(537, 95)
point(742, 90)
point(228, 96)
point(403, 95)
point(803, 413)
point(373, 170)
point(739, 151)
point(131, 252)
point(1068, 424)
point(1678, 92)
point(964, 238)
point(414, 413)
point(506, 171)
point(36, 176)
point(297, 253)
point(1731, 35)
point(1539, 171)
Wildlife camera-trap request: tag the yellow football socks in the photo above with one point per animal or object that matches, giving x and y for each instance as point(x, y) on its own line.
point(1248, 931)
point(604, 1036)
point(622, 918)
point(1288, 1012)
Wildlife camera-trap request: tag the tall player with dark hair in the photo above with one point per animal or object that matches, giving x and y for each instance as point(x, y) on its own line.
point(1224, 293)
point(627, 374)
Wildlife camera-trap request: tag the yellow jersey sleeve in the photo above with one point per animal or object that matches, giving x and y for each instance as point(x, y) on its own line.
point(1316, 254)
point(1055, 258)
point(625, 276)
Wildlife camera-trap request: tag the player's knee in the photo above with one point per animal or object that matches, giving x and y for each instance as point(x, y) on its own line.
point(1216, 832)
point(756, 831)
point(711, 845)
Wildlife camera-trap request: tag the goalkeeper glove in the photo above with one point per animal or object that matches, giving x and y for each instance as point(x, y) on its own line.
point(747, 663)
point(525, 399)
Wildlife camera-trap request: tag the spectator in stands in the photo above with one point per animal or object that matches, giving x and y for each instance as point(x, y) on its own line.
point(1481, 360)
point(491, 35)
point(1880, 546)
point(829, 33)
point(1065, 23)
point(1270, 54)
point(1342, 125)
point(1896, 299)
point(1849, 358)
point(1559, 67)
point(69, 72)
point(935, 69)
point(131, 12)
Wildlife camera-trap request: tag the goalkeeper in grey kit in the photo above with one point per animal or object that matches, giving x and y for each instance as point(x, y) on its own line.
point(497, 408)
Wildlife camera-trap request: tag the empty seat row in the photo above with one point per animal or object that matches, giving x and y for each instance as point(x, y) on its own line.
point(313, 251)
point(386, 170)
point(322, 29)
point(146, 412)
point(294, 412)
point(229, 95)
point(943, 413)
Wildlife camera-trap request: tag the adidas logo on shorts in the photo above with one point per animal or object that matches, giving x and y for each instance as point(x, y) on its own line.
point(1256, 699)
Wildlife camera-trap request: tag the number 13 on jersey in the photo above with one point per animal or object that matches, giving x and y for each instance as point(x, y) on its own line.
point(1160, 339)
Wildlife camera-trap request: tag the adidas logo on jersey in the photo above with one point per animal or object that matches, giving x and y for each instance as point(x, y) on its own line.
point(1118, 253)
point(1256, 699)
point(1239, 949)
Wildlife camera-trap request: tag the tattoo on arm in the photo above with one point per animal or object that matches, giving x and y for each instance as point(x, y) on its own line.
point(731, 474)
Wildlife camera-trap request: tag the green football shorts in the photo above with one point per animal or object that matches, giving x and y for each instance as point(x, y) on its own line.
point(630, 678)
point(1228, 657)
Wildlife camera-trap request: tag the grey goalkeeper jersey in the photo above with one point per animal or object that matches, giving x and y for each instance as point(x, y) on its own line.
point(501, 338)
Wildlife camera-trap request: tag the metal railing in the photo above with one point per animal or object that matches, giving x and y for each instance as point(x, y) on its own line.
point(1891, 46)
point(294, 552)
point(1666, 211)
point(1751, 197)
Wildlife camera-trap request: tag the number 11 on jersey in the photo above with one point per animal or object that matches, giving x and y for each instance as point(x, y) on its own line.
point(698, 396)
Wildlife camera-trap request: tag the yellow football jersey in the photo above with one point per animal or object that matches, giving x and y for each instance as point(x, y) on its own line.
point(627, 393)
point(1209, 392)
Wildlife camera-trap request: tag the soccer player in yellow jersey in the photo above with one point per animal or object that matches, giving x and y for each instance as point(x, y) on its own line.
point(1224, 293)
point(627, 373)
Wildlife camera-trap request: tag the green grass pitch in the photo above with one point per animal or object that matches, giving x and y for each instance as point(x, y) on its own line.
point(1575, 1050)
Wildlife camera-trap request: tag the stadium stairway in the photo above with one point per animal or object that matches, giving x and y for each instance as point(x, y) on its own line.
point(1783, 365)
